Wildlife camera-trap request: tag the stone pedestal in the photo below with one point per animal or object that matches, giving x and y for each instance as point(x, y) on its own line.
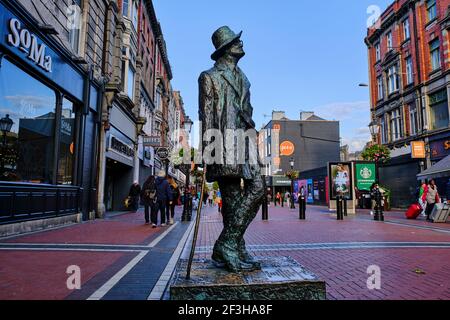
point(280, 278)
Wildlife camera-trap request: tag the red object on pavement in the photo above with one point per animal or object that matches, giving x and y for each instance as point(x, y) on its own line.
point(413, 211)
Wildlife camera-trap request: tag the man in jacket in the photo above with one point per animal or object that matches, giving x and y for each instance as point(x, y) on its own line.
point(163, 196)
point(224, 106)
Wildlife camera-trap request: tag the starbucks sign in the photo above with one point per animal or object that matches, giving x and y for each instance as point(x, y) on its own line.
point(365, 175)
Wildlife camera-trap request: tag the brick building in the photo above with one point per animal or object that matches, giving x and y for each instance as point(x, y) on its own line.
point(409, 70)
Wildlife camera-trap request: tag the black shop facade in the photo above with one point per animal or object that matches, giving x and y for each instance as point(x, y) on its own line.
point(48, 112)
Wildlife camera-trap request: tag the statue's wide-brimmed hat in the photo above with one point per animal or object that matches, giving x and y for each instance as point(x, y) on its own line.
point(222, 38)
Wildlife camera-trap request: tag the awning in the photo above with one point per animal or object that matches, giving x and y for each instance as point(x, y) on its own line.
point(439, 170)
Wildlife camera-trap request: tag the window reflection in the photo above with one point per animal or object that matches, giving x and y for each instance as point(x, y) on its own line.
point(66, 143)
point(27, 150)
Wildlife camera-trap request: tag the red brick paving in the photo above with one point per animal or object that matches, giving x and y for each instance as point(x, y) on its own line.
point(127, 229)
point(344, 270)
point(41, 275)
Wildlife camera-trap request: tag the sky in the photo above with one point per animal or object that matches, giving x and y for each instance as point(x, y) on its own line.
point(300, 55)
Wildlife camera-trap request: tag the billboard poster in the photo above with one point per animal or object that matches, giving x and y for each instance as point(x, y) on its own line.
point(365, 175)
point(340, 180)
point(310, 198)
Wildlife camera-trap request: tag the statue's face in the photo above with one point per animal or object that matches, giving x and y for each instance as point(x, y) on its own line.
point(237, 49)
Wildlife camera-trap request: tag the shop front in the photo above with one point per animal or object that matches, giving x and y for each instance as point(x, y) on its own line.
point(120, 159)
point(47, 107)
point(440, 150)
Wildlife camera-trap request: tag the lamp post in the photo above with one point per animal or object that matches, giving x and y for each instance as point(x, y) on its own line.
point(186, 216)
point(5, 126)
point(292, 183)
point(378, 210)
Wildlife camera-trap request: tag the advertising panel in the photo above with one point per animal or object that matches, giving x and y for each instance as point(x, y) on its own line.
point(340, 180)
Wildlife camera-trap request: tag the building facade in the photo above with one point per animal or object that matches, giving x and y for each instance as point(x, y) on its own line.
point(52, 74)
point(408, 49)
point(310, 142)
point(84, 82)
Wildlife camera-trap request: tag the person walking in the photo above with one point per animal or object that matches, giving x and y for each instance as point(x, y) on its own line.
point(163, 194)
point(148, 198)
point(422, 202)
point(287, 196)
point(278, 199)
point(170, 205)
point(135, 191)
point(431, 196)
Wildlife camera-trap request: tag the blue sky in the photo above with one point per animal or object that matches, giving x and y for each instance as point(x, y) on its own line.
point(301, 55)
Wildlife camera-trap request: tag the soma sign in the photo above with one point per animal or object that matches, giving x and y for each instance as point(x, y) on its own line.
point(28, 43)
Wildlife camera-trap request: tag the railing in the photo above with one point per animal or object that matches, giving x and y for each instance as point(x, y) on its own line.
point(21, 201)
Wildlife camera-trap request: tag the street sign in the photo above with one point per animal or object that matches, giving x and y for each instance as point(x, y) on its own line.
point(162, 153)
point(418, 150)
point(151, 141)
point(287, 148)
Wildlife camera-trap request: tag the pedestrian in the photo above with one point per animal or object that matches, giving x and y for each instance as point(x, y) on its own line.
point(431, 196)
point(170, 205)
point(278, 199)
point(210, 198)
point(282, 199)
point(287, 196)
point(163, 194)
point(135, 191)
point(422, 202)
point(148, 198)
point(269, 198)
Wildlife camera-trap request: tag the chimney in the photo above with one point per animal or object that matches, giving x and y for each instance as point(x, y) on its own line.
point(278, 115)
point(305, 115)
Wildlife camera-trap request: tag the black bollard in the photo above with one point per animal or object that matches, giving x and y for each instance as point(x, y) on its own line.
point(345, 206)
point(339, 213)
point(302, 208)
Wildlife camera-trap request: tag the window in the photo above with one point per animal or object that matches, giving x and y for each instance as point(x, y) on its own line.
point(380, 88)
point(125, 5)
point(393, 79)
point(383, 130)
point(439, 110)
point(66, 144)
point(27, 151)
point(378, 52)
point(389, 41)
point(413, 120)
point(409, 71)
point(406, 30)
point(396, 125)
point(130, 86)
point(431, 10)
point(74, 25)
point(435, 54)
point(134, 17)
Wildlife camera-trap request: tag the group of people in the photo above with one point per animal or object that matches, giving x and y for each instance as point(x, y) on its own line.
point(281, 198)
point(159, 194)
point(428, 197)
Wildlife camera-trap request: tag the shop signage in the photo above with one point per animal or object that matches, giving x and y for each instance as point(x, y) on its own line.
point(152, 141)
point(28, 43)
point(276, 127)
point(440, 149)
point(418, 150)
point(287, 148)
point(365, 175)
point(162, 153)
point(281, 181)
point(121, 147)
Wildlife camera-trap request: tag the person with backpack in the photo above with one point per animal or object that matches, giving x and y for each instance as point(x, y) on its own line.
point(134, 193)
point(148, 198)
point(163, 196)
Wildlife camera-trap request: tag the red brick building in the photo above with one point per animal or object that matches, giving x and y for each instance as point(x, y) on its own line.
point(409, 70)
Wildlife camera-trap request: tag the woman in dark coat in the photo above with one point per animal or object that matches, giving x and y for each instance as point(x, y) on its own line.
point(148, 197)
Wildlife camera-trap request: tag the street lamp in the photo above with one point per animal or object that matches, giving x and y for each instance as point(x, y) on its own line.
point(378, 214)
point(292, 183)
point(5, 126)
point(186, 216)
point(374, 128)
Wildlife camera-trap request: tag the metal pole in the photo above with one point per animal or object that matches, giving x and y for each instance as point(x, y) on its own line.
point(197, 224)
point(265, 207)
point(3, 152)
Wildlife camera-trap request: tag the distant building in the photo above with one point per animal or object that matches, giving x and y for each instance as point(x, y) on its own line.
point(311, 143)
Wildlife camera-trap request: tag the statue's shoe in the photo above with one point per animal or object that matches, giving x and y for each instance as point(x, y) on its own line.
point(233, 264)
point(247, 258)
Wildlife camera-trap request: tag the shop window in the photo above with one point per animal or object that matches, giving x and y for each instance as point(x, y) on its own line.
point(66, 144)
point(27, 150)
point(439, 110)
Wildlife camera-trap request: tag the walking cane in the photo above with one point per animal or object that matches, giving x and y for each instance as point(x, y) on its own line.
point(197, 224)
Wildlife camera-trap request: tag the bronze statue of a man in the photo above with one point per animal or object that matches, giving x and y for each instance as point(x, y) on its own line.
point(225, 106)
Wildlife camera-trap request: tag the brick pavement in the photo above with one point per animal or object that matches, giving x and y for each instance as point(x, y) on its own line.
point(34, 266)
point(345, 270)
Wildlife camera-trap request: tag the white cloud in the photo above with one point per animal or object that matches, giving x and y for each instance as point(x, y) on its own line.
point(343, 110)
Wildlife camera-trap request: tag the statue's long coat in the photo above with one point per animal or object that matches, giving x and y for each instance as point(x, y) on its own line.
point(224, 103)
